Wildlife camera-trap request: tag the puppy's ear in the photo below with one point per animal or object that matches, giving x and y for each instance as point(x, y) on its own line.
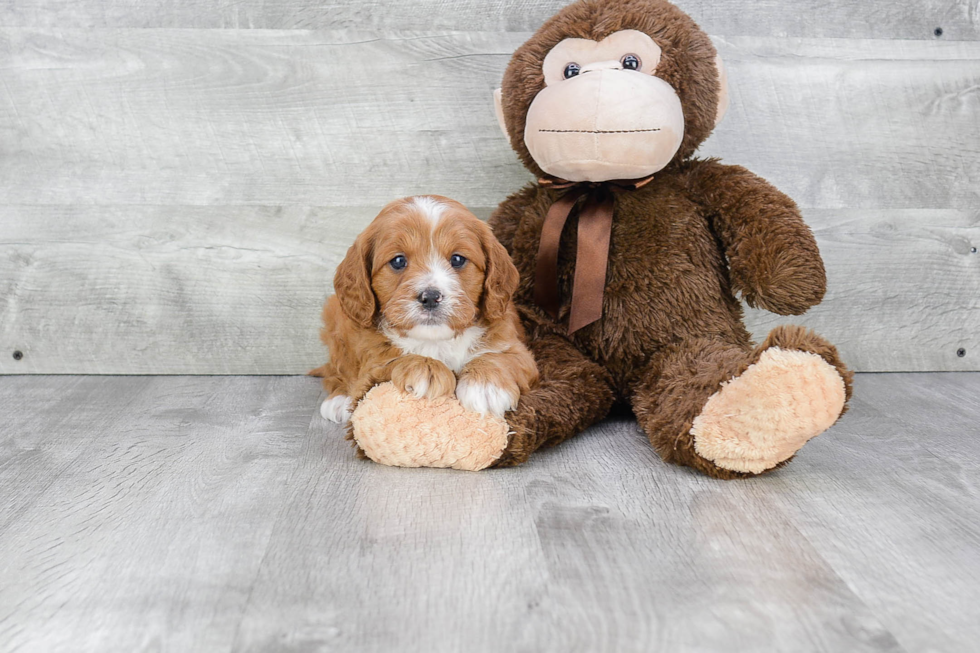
point(501, 276)
point(352, 283)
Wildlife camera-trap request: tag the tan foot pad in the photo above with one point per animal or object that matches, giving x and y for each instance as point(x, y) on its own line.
point(764, 416)
point(401, 430)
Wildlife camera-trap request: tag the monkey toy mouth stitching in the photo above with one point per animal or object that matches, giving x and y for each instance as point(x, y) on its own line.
point(596, 131)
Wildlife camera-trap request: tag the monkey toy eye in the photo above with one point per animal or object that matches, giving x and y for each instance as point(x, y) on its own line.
point(398, 263)
point(630, 62)
point(572, 69)
point(457, 261)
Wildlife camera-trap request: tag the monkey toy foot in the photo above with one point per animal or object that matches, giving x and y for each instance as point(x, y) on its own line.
point(395, 428)
point(762, 417)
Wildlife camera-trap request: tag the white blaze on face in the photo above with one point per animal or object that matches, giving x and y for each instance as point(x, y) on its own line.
point(437, 274)
point(430, 207)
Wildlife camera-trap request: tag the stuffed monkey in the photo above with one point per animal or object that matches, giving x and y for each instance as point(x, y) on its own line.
point(632, 252)
point(632, 256)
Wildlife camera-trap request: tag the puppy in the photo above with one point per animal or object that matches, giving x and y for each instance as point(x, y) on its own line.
point(423, 299)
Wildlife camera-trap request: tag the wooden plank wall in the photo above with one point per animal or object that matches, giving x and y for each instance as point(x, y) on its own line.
point(179, 178)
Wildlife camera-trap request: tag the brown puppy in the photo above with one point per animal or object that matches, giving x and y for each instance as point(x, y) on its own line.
point(423, 299)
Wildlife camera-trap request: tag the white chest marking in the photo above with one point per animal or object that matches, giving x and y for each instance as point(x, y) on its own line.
point(439, 343)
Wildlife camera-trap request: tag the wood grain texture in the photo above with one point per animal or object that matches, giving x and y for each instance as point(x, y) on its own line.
point(903, 289)
point(899, 511)
point(208, 117)
point(887, 19)
point(211, 117)
point(219, 514)
point(148, 538)
point(237, 290)
point(219, 290)
point(174, 201)
point(855, 124)
point(96, 405)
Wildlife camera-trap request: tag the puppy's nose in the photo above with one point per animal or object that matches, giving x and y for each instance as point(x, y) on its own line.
point(430, 298)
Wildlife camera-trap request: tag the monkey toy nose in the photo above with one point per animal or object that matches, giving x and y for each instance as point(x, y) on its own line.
point(430, 298)
point(601, 65)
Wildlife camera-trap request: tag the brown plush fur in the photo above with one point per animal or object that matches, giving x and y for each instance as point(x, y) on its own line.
point(682, 248)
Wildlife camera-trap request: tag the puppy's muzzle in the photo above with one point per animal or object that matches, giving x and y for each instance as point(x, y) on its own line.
point(430, 298)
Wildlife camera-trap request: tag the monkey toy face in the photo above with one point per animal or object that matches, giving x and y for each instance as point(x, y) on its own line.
point(603, 113)
point(611, 89)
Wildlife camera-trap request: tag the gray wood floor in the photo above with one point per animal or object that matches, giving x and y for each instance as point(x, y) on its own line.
point(221, 514)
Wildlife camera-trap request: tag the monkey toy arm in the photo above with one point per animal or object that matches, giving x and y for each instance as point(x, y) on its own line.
point(772, 254)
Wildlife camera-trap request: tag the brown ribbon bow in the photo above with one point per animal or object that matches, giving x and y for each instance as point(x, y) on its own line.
point(592, 257)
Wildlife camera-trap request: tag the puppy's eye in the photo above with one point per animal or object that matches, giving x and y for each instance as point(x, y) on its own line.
point(572, 69)
point(630, 62)
point(457, 261)
point(398, 263)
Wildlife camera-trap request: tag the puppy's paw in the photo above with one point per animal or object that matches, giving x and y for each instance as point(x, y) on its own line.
point(336, 409)
point(423, 377)
point(485, 397)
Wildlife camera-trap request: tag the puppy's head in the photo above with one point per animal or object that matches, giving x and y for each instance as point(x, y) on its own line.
point(425, 267)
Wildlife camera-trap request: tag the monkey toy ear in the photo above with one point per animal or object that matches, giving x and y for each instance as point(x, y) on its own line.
point(723, 98)
point(498, 109)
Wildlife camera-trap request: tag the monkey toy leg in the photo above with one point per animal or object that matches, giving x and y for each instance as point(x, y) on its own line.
point(731, 411)
point(572, 394)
